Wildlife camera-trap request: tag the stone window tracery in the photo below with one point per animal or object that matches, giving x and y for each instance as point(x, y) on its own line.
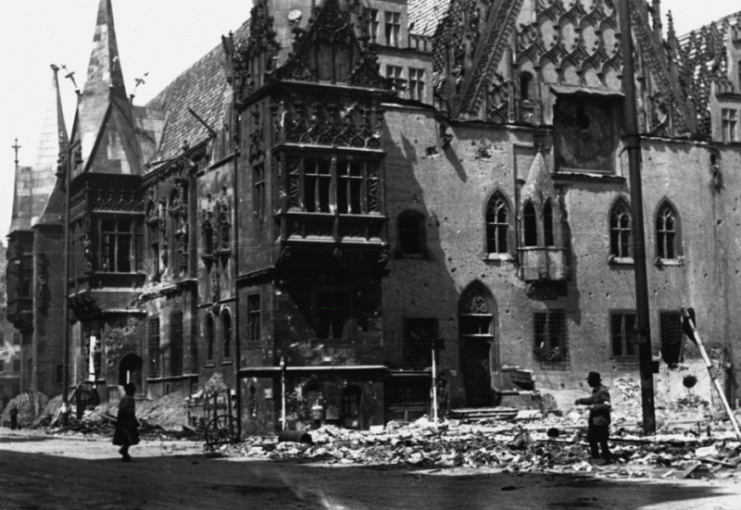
point(497, 224)
point(667, 232)
point(621, 230)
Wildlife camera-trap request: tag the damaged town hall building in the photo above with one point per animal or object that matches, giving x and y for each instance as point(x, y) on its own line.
point(341, 187)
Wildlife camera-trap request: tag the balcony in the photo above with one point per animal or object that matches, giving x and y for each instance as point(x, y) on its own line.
point(308, 227)
point(543, 263)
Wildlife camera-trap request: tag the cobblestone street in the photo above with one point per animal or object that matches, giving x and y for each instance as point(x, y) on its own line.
point(42, 472)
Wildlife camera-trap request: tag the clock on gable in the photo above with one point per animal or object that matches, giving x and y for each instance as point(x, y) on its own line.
point(585, 131)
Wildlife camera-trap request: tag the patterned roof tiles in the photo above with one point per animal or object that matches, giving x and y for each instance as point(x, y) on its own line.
point(425, 15)
point(201, 87)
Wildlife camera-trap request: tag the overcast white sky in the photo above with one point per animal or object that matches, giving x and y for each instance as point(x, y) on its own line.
point(161, 37)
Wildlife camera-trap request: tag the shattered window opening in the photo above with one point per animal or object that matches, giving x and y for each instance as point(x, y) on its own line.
point(331, 310)
point(670, 328)
point(551, 348)
point(411, 233)
point(176, 343)
point(418, 337)
point(623, 334)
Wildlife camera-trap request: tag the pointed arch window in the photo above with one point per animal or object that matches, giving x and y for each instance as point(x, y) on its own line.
point(531, 224)
point(226, 333)
point(497, 224)
point(526, 84)
point(548, 223)
point(621, 231)
point(667, 232)
point(209, 334)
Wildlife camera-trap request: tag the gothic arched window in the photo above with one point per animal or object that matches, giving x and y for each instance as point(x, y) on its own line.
point(497, 224)
point(531, 224)
point(226, 333)
point(548, 223)
point(621, 230)
point(667, 232)
point(209, 334)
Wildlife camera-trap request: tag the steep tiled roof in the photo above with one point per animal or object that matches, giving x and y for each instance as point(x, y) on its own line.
point(425, 15)
point(704, 59)
point(202, 88)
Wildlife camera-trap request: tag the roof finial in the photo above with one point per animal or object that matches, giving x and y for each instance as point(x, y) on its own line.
point(15, 147)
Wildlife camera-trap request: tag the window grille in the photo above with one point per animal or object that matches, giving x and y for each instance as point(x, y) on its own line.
point(670, 328)
point(551, 347)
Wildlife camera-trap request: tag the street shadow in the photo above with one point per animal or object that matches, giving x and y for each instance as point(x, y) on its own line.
point(37, 480)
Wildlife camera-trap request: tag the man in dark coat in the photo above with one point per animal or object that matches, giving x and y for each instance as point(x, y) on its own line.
point(599, 417)
point(127, 426)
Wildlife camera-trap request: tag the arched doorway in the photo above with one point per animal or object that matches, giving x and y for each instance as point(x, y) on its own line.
point(478, 349)
point(130, 370)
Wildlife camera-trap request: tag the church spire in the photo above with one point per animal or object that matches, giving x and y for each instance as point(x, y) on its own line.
point(53, 144)
point(34, 184)
point(104, 73)
point(105, 126)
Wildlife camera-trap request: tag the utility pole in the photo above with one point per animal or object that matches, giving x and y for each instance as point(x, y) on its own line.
point(633, 147)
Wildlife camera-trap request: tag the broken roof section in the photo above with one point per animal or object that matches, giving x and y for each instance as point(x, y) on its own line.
point(34, 184)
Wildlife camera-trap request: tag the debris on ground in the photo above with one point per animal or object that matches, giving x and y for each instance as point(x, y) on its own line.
point(26, 407)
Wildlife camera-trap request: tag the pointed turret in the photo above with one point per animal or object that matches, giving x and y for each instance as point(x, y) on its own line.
point(34, 185)
point(51, 150)
point(105, 125)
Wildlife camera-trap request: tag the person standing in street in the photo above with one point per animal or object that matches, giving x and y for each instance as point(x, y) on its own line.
point(127, 426)
point(598, 431)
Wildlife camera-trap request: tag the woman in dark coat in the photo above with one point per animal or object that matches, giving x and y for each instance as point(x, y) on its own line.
point(127, 426)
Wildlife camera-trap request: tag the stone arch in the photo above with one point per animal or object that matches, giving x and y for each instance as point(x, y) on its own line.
point(130, 370)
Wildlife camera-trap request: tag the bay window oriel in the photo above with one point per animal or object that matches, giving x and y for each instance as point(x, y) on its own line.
point(119, 241)
point(325, 184)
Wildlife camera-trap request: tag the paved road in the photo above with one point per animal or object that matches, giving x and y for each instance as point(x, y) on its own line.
point(37, 472)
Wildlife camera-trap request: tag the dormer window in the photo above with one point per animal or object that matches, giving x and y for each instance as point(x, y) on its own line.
point(393, 28)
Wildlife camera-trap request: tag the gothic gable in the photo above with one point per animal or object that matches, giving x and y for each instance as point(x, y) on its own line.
point(329, 49)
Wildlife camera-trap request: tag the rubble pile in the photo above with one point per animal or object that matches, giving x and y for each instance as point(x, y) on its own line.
point(26, 408)
point(506, 446)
